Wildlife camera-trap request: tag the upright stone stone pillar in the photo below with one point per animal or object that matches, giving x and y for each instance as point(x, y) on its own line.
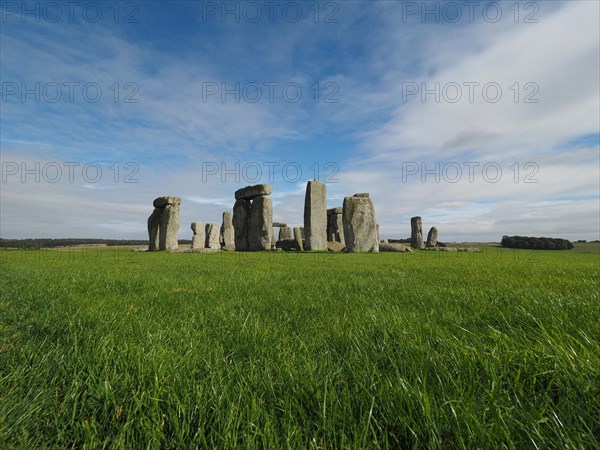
point(163, 224)
point(298, 238)
point(360, 225)
point(253, 218)
point(432, 237)
point(212, 236)
point(260, 224)
point(315, 216)
point(169, 226)
point(335, 225)
point(416, 234)
point(241, 211)
point(198, 237)
point(153, 229)
point(227, 237)
point(285, 233)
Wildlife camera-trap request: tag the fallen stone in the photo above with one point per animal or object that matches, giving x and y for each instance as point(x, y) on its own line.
point(335, 247)
point(386, 247)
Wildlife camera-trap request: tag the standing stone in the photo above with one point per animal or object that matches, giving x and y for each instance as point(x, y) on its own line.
point(198, 237)
point(432, 237)
point(163, 224)
point(260, 224)
point(416, 235)
point(212, 236)
point(285, 233)
point(153, 229)
point(335, 225)
point(360, 226)
point(227, 237)
point(315, 216)
point(169, 225)
point(298, 238)
point(241, 211)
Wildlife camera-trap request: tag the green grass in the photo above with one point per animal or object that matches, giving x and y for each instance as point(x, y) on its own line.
point(116, 349)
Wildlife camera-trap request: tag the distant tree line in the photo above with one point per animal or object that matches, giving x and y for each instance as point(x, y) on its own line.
point(33, 244)
point(536, 243)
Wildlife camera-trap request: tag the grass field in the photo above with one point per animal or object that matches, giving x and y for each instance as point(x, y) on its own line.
point(117, 349)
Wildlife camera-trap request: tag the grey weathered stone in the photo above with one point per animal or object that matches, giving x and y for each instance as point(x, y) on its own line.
point(163, 224)
point(387, 247)
point(285, 233)
point(315, 216)
point(279, 224)
point(162, 202)
point(298, 238)
point(212, 236)
point(260, 224)
point(153, 229)
point(360, 226)
point(169, 226)
point(227, 235)
point(241, 211)
point(432, 237)
point(251, 192)
point(198, 237)
point(416, 235)
point(287, 245)
point(335, 225)
point(362, 194)
point(335, 247)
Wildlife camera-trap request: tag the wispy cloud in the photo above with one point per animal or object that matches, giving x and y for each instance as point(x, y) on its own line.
point(372, 55)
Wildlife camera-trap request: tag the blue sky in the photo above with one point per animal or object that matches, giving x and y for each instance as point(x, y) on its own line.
point(504, 141)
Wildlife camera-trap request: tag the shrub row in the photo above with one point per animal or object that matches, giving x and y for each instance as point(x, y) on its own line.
point(536, 243)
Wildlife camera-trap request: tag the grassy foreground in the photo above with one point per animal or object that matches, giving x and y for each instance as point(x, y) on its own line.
point(117, 349)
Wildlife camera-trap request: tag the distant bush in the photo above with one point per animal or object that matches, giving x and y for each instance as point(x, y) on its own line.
point(536, 243)
point(34, 244)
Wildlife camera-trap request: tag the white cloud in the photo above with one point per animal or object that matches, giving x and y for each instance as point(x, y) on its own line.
point(369, 54)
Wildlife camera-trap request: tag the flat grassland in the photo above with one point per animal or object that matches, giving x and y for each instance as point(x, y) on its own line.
point(112, 348)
